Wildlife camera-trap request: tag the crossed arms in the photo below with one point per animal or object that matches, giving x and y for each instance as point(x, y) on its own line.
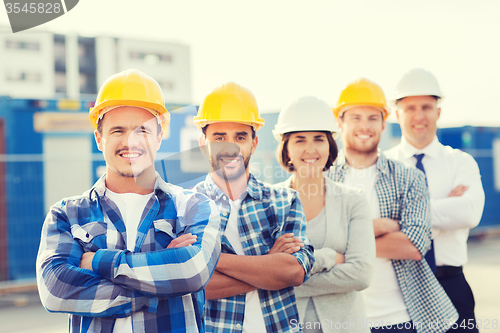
point(238, 274)
point(394, 238)
point(463, 207)
point(122, 282)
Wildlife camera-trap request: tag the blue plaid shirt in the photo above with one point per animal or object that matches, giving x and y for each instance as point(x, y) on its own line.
point(403, 196)
point(162, 289)
point(266, 213)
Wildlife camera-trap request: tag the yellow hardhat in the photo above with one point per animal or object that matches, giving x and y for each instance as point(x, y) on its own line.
point(229, 103)
point(131, 88)
point(362, 92)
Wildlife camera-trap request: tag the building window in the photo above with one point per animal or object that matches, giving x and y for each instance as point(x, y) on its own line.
point(60, 80)
point(135, 55)
point(33, 77)
point(149, 56)
point(23, 76)
point(496, 163)
point(86, 54)
point(165, 58)
point(20, 45)
point(166, 85)
point(88, 83)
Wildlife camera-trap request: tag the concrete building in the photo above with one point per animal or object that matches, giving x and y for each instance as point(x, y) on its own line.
point(39, 64)
point(26, 64)
point(39, 72)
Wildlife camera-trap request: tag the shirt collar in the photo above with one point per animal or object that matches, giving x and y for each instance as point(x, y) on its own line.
point(287, 183)
point(431, 150)
point(380, 165)
point(99, 187)
point(160, 185)
point(253, 188)
point(213, 191)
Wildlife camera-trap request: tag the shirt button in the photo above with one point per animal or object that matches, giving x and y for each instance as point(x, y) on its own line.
point(224, 197)
point(238, 326)
point(224, 214)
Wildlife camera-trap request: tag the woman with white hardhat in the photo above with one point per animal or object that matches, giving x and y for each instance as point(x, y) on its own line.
point(339, 223)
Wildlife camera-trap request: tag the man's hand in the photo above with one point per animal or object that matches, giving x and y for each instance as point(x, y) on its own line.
point(182, 240)
point(86, 260)
point(458, 191)
point(339, 259)
point(384, 225)
point(286, 243)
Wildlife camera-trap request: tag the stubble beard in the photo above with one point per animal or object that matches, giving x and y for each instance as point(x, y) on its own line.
point(137, 169)
point(130, 174)
point(229, 175)
point(354, 148)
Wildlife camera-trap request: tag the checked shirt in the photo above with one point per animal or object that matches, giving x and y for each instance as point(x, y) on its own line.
point(162, 289)
point(403, 196)
point(266, 212)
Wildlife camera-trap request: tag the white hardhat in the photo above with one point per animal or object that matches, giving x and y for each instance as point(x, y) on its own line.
point(417, 82)
point(305, 114)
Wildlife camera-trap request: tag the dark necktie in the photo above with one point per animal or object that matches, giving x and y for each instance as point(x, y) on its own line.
point(429, 257)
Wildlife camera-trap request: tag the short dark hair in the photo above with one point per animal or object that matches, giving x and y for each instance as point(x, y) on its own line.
point(284, 158)
point(204, 130)
point(100, 120)
point(99, 125)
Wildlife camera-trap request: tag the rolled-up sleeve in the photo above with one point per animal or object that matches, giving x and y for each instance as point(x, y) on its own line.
point(295, 222)
point(415, 215)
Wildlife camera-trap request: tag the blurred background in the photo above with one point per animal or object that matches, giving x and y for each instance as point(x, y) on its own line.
point(280, 50)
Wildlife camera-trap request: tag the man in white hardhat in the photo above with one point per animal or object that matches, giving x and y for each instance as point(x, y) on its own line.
point(456, 192)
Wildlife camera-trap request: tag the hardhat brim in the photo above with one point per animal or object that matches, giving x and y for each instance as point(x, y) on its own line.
point(403, 95)
point(279, 135)
point(162, 111)
point(201, 123)
point(338, 111)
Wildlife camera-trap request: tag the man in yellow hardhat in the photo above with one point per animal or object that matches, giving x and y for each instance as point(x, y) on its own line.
point(456, 191)
point(264, 244)
point(134, 253)
point(404, 295)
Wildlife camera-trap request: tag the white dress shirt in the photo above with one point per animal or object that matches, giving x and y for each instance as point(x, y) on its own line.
point(451, 217)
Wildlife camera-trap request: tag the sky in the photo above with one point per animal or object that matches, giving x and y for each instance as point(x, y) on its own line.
point(282, 50)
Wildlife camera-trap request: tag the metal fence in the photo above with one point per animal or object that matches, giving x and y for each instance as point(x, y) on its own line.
point(21, 217)
point(31, 183)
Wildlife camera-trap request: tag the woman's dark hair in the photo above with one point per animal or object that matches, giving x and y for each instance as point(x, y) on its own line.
point(284, 158)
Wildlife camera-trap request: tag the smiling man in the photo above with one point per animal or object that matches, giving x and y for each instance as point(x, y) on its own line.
point(404, 295)
point(133, 253)
point(265, 251)
point(456, 191)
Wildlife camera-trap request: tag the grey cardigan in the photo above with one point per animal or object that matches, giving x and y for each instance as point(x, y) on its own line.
point(334, 289)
